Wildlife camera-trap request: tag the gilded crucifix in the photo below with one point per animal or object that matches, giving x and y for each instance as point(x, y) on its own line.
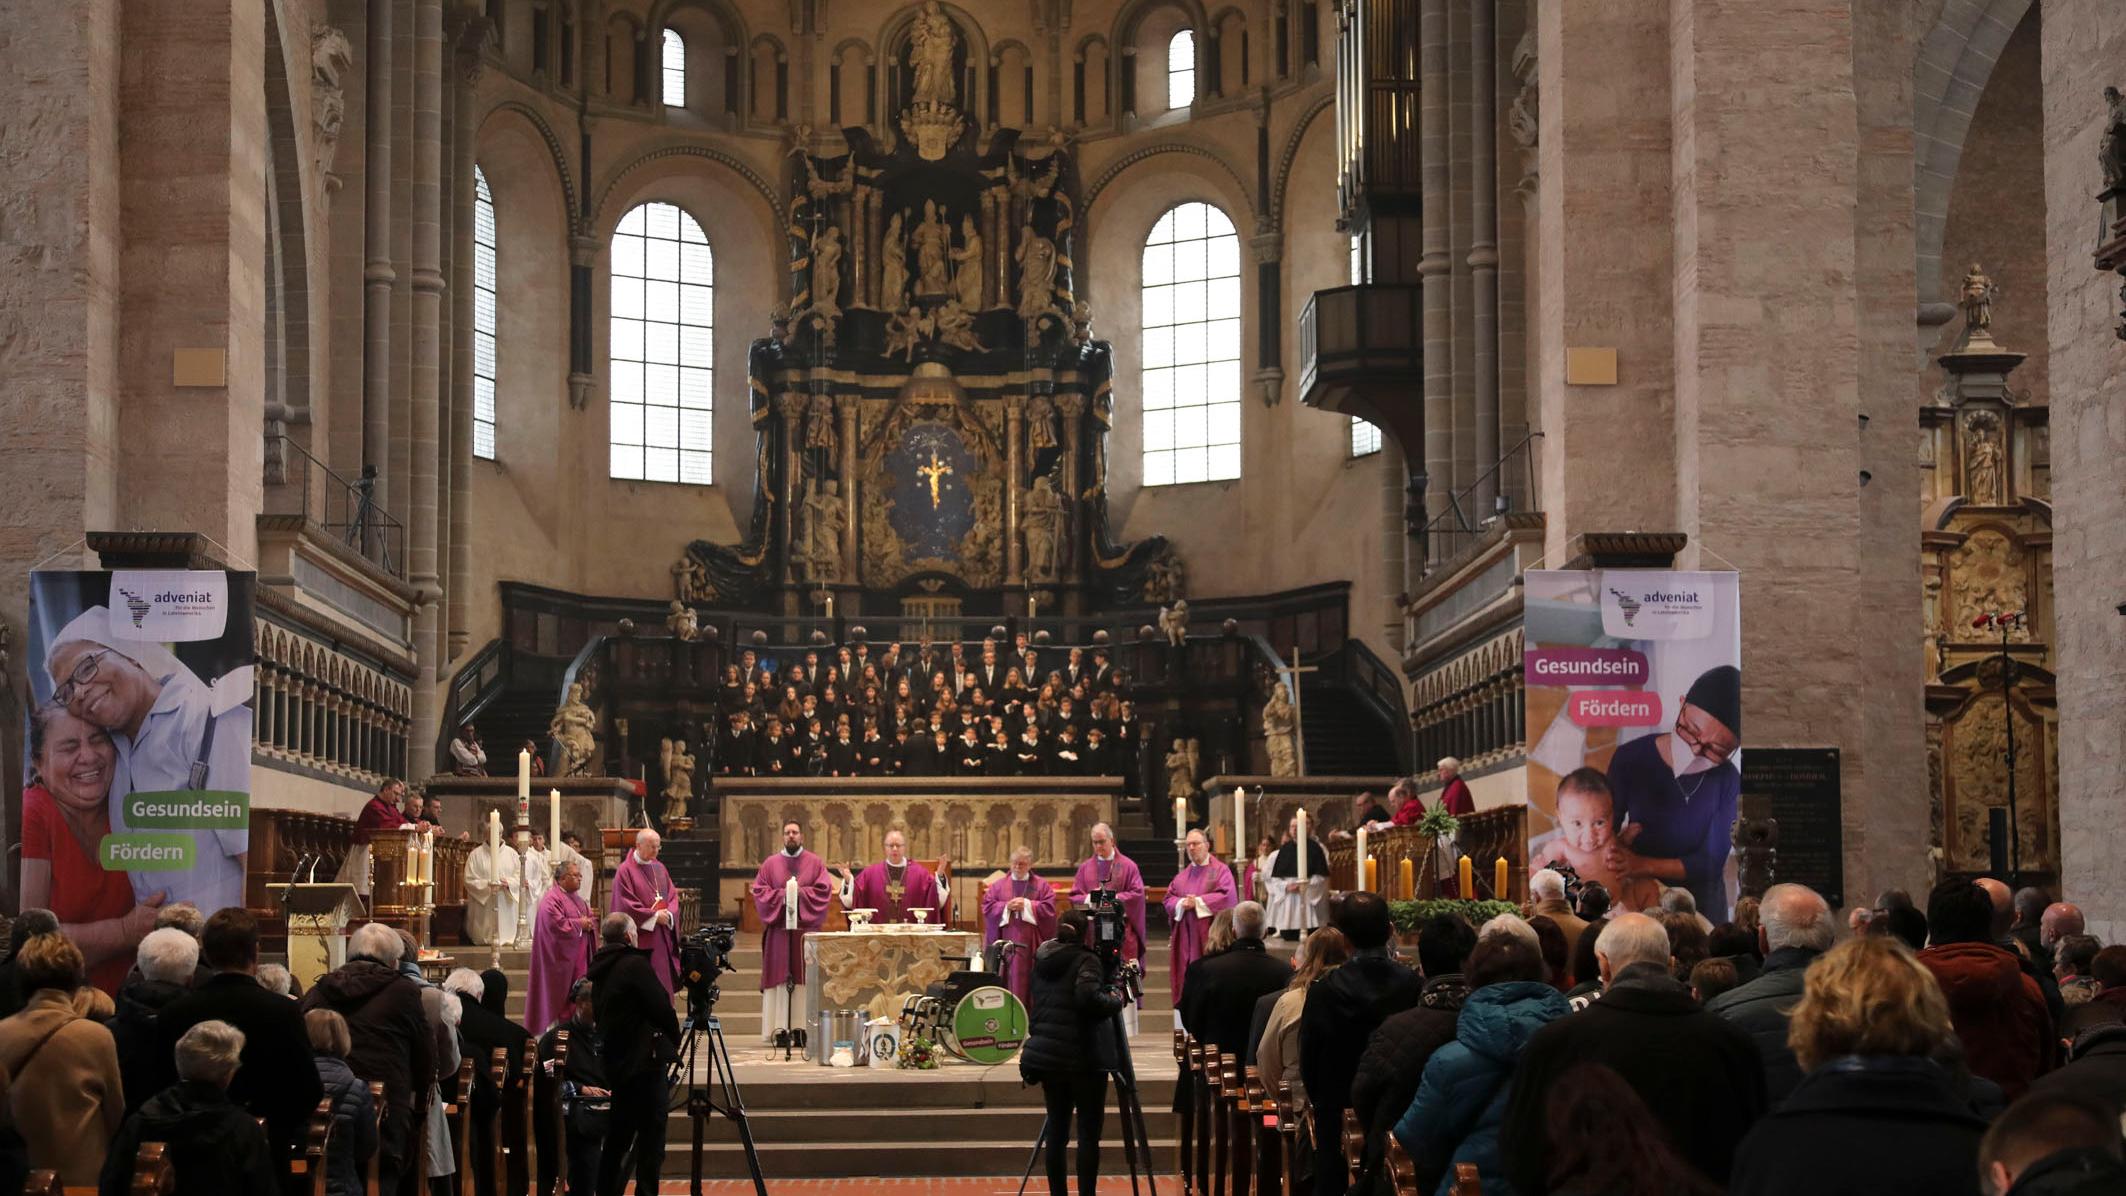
point(934, 473)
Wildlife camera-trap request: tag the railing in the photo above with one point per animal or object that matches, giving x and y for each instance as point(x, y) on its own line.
point(1508, 486)
point(323, 709)
point(1370, 329)
point(300, 484)
point(1368, 676)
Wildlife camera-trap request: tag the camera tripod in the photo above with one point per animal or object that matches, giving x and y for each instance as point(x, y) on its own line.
point(719, 1096)
point(1128, 1108)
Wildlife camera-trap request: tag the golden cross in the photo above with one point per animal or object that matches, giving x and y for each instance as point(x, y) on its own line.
point(935, 472)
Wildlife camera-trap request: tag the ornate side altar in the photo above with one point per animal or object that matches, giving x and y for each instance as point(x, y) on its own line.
point(875, 969)
point(931, 410)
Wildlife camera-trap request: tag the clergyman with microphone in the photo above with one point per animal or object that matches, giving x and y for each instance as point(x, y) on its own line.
point(1070, 1046)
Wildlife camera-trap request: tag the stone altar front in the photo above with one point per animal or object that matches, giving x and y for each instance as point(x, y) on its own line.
point(877, 968)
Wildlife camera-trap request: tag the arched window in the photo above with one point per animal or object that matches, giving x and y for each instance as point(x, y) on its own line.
point(483, 317)
point(675, 69)
point(1181, 69)
point(1191, 347)
point(662, 353)
point(1365, 438)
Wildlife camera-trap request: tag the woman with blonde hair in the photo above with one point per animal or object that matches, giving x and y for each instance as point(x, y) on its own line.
point(1277, 1047)
point(67, 1095)
point(1876, 1111)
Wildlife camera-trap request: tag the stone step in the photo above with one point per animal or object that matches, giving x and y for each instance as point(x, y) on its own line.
point(723, 1157)
point(804, 1127)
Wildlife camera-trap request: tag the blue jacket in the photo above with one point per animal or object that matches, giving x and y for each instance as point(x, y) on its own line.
point(1461, 1102)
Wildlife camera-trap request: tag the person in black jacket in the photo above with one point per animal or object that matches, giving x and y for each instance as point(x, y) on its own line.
point(165, 960)
point(1794, 929)
point(277, 1081)
point(1218, 994)
point(1342, 1011)
point(2053, 1146)
point(582, 1084)
point(1395, 1057)
point(2095, 1071)
point(483, 1028)
point(354, 1137)
point(215, 1148)
point(393, 1044)
point(1070, 1047)
point(641, 1035)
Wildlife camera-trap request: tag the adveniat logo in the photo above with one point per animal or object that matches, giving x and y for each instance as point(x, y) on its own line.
point(136, 604)
point(1628, 604)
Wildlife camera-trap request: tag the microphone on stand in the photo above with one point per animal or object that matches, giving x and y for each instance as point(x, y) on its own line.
point(1982, 621)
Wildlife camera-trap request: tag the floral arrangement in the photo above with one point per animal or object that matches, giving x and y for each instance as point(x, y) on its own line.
point(918, 1054)
point(1409, 915)
point(1439, 824)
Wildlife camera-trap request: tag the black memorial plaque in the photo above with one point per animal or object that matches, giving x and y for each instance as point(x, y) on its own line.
point(1798, 787)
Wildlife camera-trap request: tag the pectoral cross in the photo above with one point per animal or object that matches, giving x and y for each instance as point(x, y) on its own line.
point(934, 473)
point(1291, 674)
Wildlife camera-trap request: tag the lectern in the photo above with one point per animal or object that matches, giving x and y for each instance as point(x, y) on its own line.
point(317, 922)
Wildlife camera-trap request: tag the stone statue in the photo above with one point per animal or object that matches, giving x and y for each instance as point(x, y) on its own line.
point(893, 267)
point(1181, 770)
point(574, 728)
point(819, 424)
point(1041, 522)
point(967, 274)
point(682, 622)
point(1173, 622)
point(1280, 732)
point(827, 271)
point(690, 581)
point(1982, 453)
point(1036, 257)
point(1163, 579)
point(2111, 151)
point(824, 521)
point(930, 47)
point(933, 244)
point(330, 58)
point(954, 325)
point(1977, 300)
point(1040, 423)
point(678, 765)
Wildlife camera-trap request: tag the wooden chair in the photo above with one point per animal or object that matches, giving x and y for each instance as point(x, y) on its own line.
point(518, 1109)
point(152, 1175)
point(376, 1106)
point(1291, 1137)
point(559, 1115)
point(457, 1114)
point(1354, 1142)
point(307, 1168)
point(1185, 1119)
point(1240, 1143)
point(486, 1137)
point(1466, 1180)
point(1210, 1131)
point(1401, 1171)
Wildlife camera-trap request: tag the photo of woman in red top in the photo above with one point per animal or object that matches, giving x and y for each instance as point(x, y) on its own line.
point(65, 816)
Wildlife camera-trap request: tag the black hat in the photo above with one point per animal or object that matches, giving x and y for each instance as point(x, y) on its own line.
point(1718, 692)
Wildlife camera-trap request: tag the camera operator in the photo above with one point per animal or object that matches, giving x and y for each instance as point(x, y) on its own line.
point(586, 1104)
point(1070, 1045)
point(640, 1035)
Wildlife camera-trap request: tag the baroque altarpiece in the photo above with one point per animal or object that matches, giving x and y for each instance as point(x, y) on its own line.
point(931, 409)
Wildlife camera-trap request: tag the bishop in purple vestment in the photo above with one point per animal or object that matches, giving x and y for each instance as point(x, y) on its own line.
point(1197, 893)
point(1004, 907)
point(1109, 869)
point(563, 934)
point(782, 950)
point(895, 885)
point(642, 890)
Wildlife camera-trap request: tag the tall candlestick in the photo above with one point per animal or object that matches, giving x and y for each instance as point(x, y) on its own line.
point(1466, 873)
point(1358, 878)
point(553, 821)
point(1300, 848)
point(1240, 823)
point(1502, 876)
point(523, 773)
point(1409, 890)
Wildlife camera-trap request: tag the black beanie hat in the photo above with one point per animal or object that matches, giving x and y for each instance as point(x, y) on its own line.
point(1718, 692)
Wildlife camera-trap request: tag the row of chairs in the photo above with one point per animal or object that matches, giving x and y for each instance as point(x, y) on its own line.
point(510, 1140)
point(1238, 1138)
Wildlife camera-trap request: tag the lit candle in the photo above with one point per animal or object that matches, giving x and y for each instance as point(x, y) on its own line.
point(553, 821)
point(1372, 873)
point(1301, 847)
point(1467, 875)
point(523, 810)
point(523, 773)
point(1502, 877)
point(1358, 877)
point(1240, 823)
point(494, 830)
point(789, 904)
point(1409, 879)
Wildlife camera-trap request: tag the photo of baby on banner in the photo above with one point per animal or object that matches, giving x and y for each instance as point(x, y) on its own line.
point(137, 772)
point(1634, 706)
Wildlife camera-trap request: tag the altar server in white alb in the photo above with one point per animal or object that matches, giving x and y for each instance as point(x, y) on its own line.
point(1297, 906)
point(494, 880)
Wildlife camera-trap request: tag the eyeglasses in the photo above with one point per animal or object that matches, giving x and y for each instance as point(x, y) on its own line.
point(1700, 746)
point(84, 672)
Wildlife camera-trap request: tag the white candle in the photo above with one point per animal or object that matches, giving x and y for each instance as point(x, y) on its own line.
point(1180, 818)
point(428, 858)
point(1359, 881)
point(494, 830)
point(1301, 847)
point(553, 834)
point(523, 774)
point(789, 904)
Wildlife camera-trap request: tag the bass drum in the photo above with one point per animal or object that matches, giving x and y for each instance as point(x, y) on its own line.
point(986, 1025)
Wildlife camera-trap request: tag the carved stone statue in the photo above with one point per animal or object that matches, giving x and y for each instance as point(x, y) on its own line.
point(819, 424)
point(930, 47)
point(1163, 579)
point(893, 267)
point(827, 271)
point(1036, 257)
point(1173, 622)
point(1181, 763)
point(1041, 521)
point(1977, 299)
point(690, 581)
point(1280, 732)
point(954, 325)
point(330, 58)
point(574, 728)
point(2111, 151)
point(682, 622)
point(1040, 423)
point(967, 273)
point(678, 765)
point(823, 524)
point(1982, 456)
point(933, 245)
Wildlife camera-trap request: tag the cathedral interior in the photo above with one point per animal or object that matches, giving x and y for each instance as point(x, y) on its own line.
point(514, 343)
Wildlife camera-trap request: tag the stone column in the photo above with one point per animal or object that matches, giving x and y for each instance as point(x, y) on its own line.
point(1483, 243)
point(465, 74)
point(378, 276)
point(1071, 406)
point(1433, 265)
point(790, 405)
point(861, 202)
point(1014, 479)
point(427, 194)
point(1394, 539)
point(847, 407)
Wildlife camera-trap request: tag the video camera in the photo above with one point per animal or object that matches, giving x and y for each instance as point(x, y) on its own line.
point(1110, 931)
point(703, 956)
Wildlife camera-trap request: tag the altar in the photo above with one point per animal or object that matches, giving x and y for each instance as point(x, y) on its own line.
point(878, 967)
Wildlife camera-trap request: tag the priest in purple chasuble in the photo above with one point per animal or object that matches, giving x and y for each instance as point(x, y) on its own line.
point(564, 931)
point(895, 885)
point(1021, 908)
point(788, 911)
point(1107, 868)
point(1202, 888)
point(643, 890)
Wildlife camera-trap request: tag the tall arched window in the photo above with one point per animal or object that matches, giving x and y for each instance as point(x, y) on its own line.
point(483, 317)
point(675, 69)
point(1191, 347)
point(1181, 69)
point(663, 342)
